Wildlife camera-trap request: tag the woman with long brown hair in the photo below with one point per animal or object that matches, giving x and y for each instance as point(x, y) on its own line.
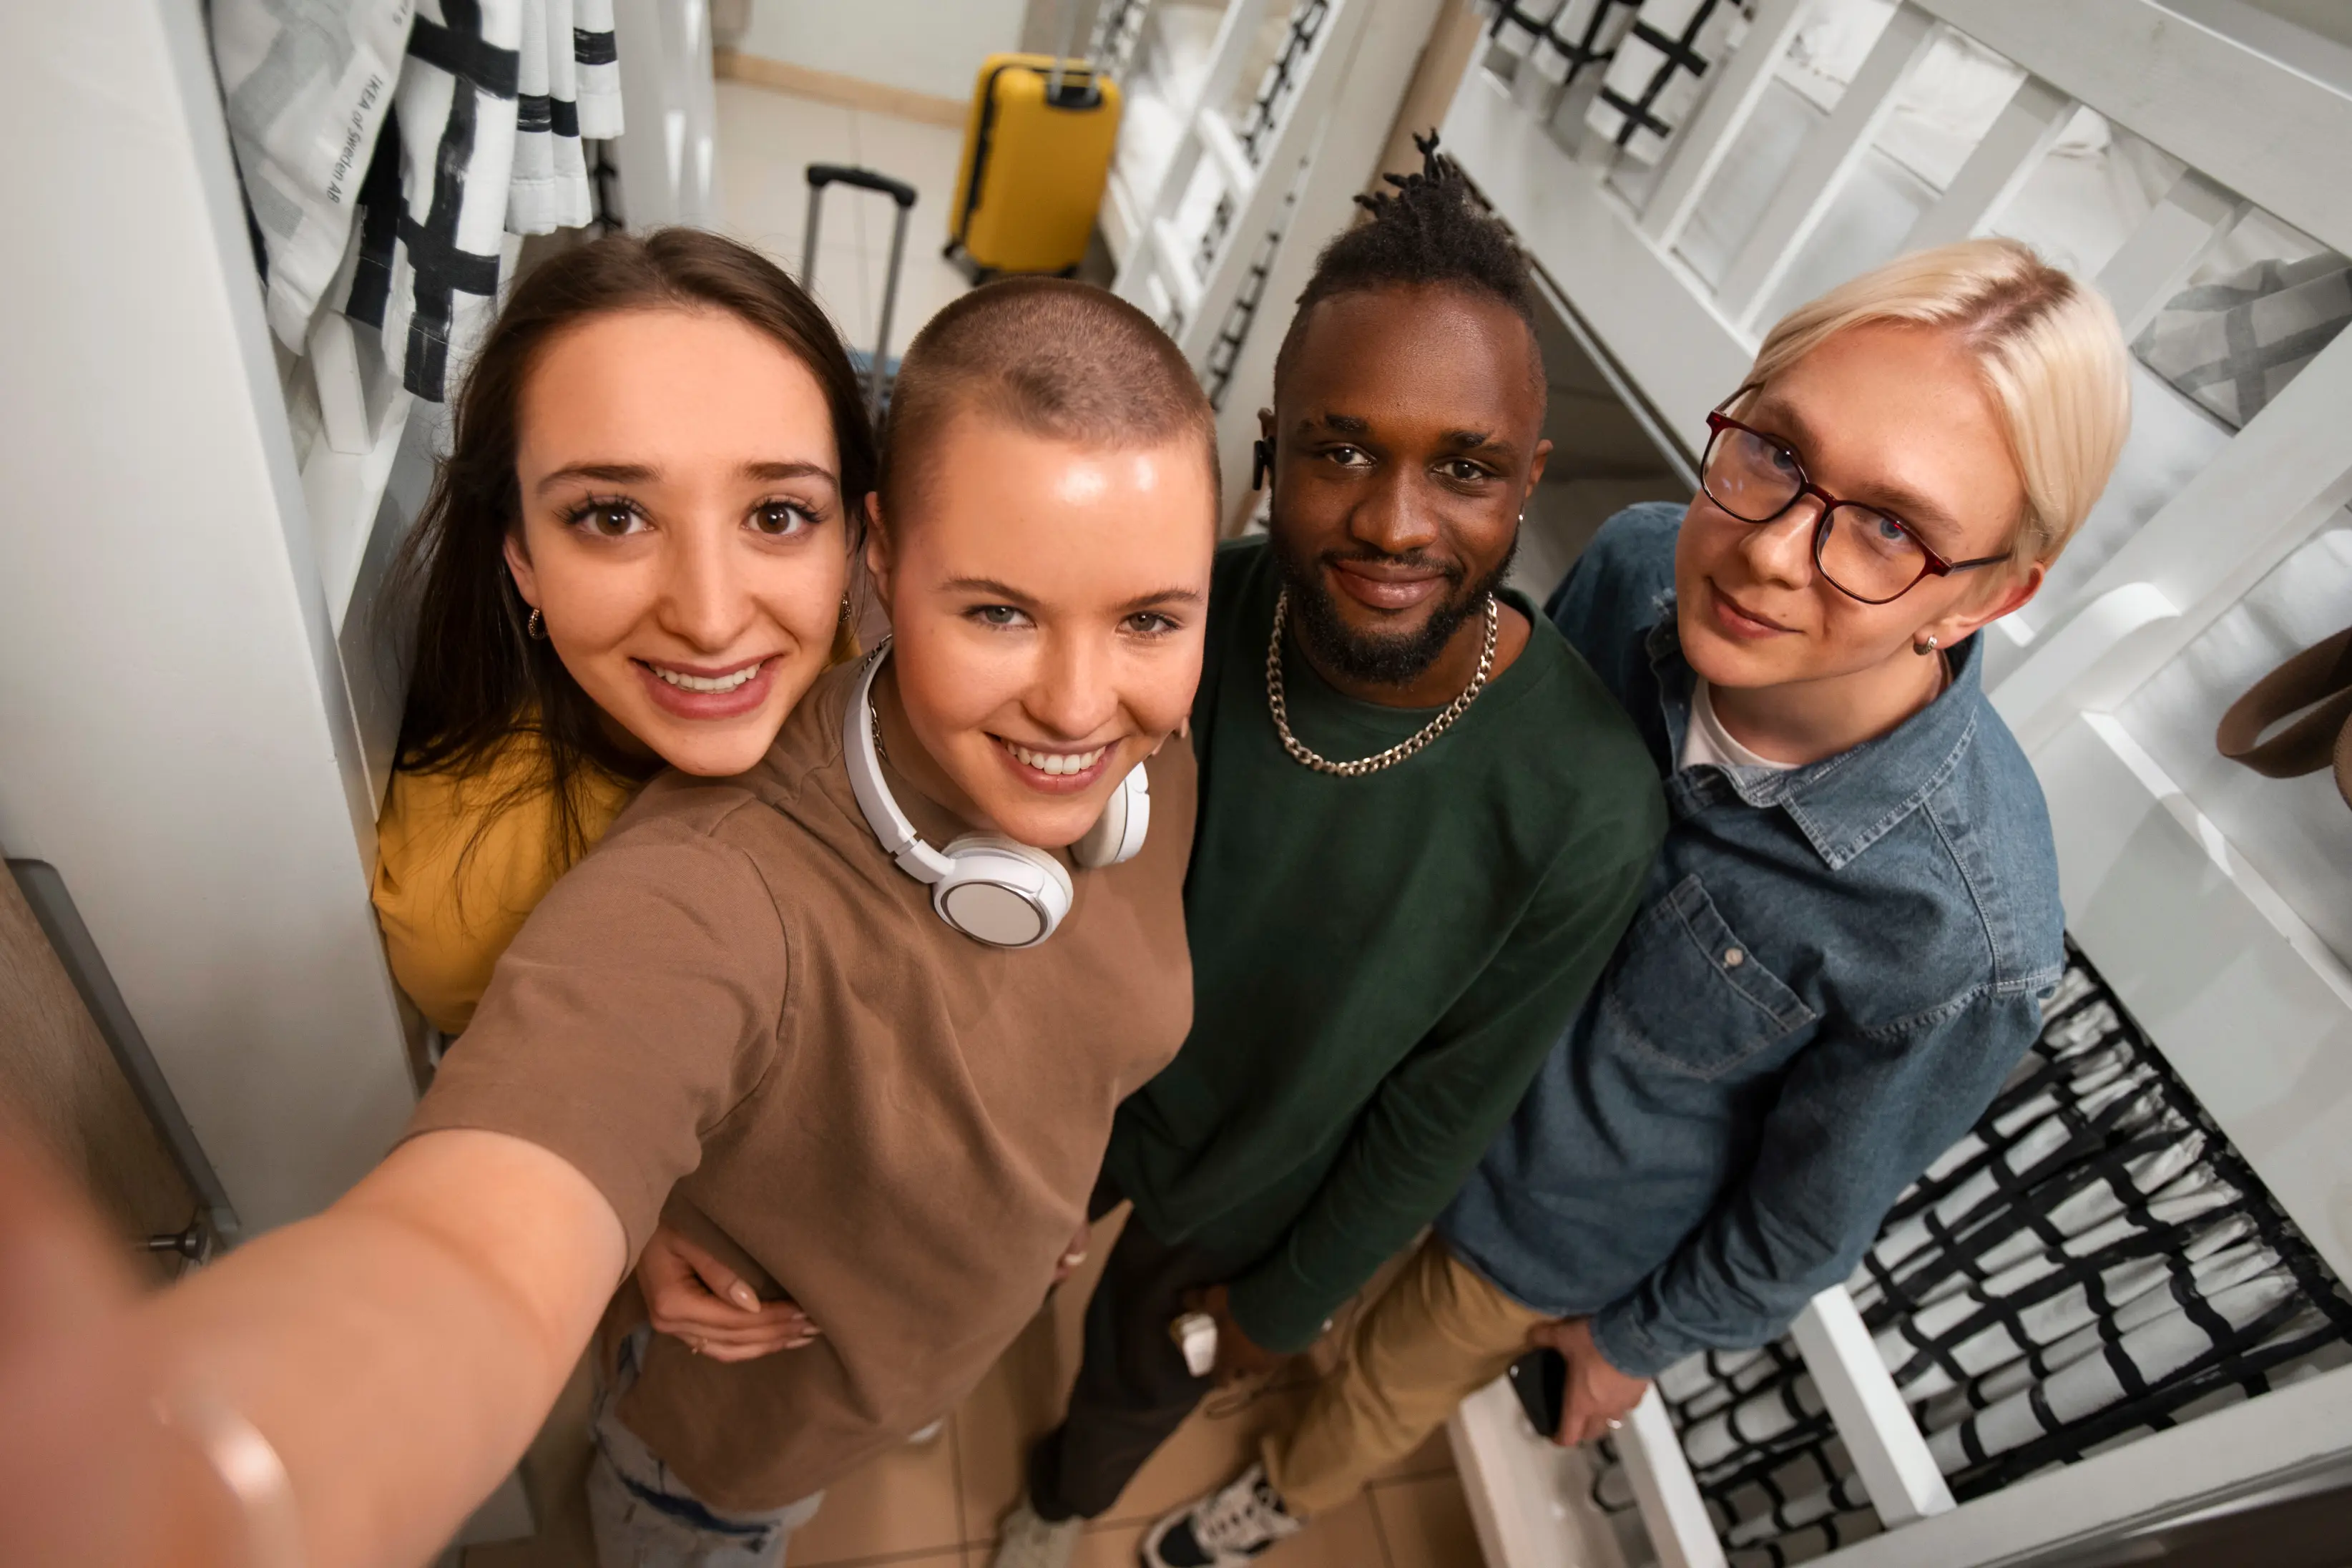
point(635, 554)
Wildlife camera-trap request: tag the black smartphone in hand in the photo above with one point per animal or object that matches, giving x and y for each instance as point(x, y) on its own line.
point(1540, 1380)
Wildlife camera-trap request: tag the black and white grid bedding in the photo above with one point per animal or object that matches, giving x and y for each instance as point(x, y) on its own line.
point(387, 147)
point(2093, 1262)
point(1563, 40)
point(1659, 70)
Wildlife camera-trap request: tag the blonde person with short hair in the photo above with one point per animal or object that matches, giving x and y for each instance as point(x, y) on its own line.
point(1848, 933)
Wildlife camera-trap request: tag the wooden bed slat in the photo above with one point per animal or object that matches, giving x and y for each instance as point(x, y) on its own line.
point(1680, 1527)
point(1821, 164)
point(1694, 157)
point(2166, 1475)
point(2033, 119)
point(1890, 1456)
point(2195, 215)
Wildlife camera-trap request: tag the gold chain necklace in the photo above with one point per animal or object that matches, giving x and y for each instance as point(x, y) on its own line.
point(1305, 757)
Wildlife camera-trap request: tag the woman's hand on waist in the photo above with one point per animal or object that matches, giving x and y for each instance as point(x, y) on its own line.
point(692, 1295)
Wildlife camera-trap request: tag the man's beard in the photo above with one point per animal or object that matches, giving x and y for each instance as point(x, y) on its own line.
point(1397, 659)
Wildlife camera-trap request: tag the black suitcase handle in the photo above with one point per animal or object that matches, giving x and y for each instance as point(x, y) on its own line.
point(820, 175)
point(823, 174)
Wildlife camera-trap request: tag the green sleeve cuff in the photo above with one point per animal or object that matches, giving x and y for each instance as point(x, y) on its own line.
point(1276, 1309)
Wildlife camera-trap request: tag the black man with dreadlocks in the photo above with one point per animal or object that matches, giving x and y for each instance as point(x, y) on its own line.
point(1423, 824)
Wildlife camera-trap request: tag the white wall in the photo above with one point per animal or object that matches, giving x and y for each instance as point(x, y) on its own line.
point(175, 734)
point(922, 46)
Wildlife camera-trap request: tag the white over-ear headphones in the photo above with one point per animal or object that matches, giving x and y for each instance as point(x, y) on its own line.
point(990, 888)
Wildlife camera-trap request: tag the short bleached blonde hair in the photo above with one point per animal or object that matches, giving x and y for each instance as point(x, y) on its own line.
point(2051, 353)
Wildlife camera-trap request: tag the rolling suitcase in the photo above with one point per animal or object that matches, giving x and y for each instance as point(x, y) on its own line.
point(1036, 156)
point(878, 368)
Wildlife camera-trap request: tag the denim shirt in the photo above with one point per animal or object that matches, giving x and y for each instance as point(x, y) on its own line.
point(1835, 967)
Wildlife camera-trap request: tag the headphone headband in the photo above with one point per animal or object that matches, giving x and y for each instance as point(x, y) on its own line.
point(898, 836)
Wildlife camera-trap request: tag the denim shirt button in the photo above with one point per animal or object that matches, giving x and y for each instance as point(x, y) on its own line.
point(1733, 958)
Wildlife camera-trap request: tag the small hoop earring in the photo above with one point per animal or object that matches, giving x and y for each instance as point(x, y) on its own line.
point(1261, 463)
point(1924, 648)
point(535, 628)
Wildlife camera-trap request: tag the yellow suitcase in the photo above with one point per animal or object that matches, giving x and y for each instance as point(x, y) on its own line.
point(1037, 154)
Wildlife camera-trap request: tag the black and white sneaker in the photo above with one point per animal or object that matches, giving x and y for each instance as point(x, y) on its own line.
point(1226, 1527)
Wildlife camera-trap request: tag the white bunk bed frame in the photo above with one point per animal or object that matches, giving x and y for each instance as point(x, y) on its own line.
point(2246, 1004)
point(1321, 149)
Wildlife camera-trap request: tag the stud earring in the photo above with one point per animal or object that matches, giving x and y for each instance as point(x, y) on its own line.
point(1261, 463)
point(536, 628)
point(845, 609)
point(1924, 648)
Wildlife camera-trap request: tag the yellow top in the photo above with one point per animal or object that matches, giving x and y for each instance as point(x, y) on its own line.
point(449, 902)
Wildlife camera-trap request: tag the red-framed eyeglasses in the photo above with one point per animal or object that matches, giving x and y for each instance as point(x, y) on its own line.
point(1863, 551)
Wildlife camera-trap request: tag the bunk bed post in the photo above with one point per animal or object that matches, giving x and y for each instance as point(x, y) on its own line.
point(1304, 130)
point(1681, 1528)
point(2226, 529)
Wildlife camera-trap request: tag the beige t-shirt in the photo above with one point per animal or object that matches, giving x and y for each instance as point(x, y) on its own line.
point(738, 1014)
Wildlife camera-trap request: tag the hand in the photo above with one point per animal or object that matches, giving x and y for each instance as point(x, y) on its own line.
point(692, 1295)
point(1074, 1255)
point(1596, 1396)
point(1238, 1355)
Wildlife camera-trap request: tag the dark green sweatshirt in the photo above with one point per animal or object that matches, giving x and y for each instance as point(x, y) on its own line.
point(1378, 963)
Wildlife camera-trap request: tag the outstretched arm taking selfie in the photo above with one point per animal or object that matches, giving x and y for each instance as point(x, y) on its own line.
point(399, 1351)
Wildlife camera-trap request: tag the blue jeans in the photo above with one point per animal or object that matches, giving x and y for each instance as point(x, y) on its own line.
point(643, 1516)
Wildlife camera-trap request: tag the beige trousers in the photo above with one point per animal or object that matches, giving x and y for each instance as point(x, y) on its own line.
point(1435, 1336)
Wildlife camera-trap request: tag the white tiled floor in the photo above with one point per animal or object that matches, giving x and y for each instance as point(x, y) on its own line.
point(768, 139)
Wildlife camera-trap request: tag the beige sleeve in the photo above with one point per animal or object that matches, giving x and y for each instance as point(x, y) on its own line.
point(637, 1009)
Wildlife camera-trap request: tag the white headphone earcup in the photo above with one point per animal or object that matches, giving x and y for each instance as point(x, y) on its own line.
point(1001, 892)
point(1118, 833)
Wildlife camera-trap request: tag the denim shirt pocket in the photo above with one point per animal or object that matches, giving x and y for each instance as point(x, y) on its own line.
point(1693, 995)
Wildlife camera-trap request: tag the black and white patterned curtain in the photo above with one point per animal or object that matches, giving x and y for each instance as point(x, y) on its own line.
point(387, 146)
point(2093, 1262)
